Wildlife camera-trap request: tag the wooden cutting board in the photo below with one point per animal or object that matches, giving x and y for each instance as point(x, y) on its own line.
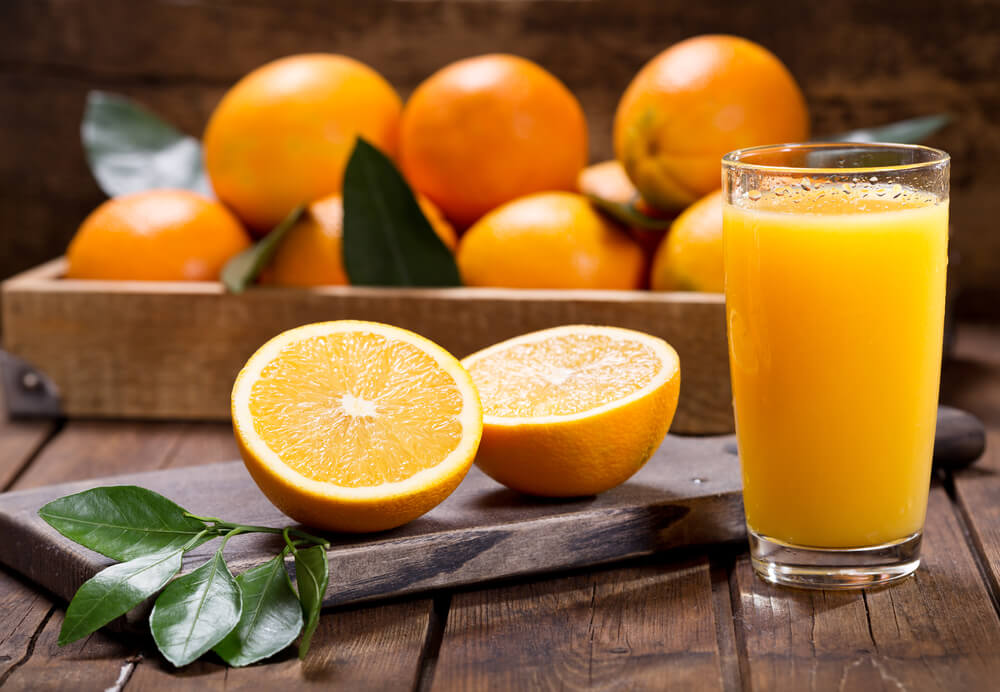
point(687, 494)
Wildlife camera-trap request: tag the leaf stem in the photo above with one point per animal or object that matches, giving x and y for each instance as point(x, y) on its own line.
point(289, 544)
point(194, 541)
point(221, 527)
point(225, 539)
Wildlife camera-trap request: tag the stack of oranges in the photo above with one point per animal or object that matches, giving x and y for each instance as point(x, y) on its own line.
point(496, 149)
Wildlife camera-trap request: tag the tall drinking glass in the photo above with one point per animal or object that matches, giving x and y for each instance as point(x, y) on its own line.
point(835, 259)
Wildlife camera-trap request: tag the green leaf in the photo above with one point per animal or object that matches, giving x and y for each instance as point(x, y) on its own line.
point(628, 214)
point(912, 131)
point(241, 270)
point(196, 612)
point(271, 618)
point(312, 574)
point(122, 521)
point(387, 239)
point(115, 590)
point(130, 149)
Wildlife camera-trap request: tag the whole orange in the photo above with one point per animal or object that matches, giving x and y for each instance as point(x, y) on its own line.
point(483, 131)
point(164, 235)
point(311, 254)
point(690, 259)
point(549, 240)
point(696, 101)
point(282, 135)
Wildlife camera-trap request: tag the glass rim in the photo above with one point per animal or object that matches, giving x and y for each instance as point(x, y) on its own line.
point(937, 157)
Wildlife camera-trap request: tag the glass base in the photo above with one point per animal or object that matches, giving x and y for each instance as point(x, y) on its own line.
point(802, 567)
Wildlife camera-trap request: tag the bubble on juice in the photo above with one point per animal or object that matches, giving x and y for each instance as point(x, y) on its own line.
point(897, 190)
point(806, 184)
point(873, 179)
point(846, 188)
point(754, 194)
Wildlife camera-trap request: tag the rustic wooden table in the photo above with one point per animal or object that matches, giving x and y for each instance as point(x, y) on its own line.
point(697, 620)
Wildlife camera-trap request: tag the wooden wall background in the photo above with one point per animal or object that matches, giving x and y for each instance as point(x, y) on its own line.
point(860, 63)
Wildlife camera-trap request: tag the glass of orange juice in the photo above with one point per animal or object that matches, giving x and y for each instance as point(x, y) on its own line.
point(835, 259)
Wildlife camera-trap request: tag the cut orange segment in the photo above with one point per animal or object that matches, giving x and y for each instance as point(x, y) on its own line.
point(573, 410)
point(355, 426)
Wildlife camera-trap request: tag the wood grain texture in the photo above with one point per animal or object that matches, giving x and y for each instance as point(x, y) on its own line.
point(24, 611)
point(91, 449)
point(937, 630)
point(972, 380)
point(859, 63)
point(371, 649)
point(977, 492)
point(172, 350)
point(648, 627)
point(92, 663)
point(687, 494)
point(203, 443)
point(19, 440)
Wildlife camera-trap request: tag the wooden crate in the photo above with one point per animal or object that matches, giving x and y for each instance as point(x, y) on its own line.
point(138, 349)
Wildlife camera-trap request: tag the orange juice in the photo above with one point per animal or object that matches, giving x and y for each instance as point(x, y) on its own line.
point(835, 302)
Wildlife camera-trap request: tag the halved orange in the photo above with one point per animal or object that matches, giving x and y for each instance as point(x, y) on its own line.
point(355, 426)
point(573, 410)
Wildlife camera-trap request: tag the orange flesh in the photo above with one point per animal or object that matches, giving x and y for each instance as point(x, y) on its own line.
point(562, 375)
point(356, 409)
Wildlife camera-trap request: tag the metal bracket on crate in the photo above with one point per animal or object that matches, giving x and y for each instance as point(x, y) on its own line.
point(28, 392)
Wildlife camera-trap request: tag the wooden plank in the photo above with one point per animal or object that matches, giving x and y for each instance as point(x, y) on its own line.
point(648, 627)
point(722, 564)
point(19, 440)
point(23, 611)
point(936, 630)
point(977, 493)
point(172, 350)
point(203, 443)
point(972, 379)
point(370, 649)
point(92, 449)
point(687, 494)
point(93, 663)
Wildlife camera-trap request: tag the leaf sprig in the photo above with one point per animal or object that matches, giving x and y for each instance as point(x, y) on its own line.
point(242, 619)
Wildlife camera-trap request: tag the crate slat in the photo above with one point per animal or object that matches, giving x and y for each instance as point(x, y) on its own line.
point(135, 349)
